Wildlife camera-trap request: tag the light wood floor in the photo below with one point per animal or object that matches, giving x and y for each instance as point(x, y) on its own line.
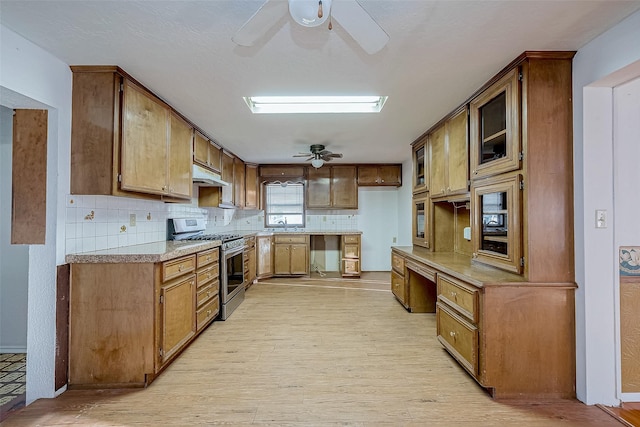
point(311, 353)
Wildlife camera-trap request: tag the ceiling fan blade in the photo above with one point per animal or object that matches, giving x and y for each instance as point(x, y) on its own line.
point(360, 25)
point(261, 21)
point(302, 155)
point(334, 155)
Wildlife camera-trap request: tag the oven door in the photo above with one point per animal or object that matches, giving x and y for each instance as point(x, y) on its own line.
point(232, 274)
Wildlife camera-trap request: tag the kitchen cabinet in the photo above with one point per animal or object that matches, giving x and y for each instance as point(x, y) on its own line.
point(291, 254)
point(332, 187)
point(206, 153)
point(420, 218)
point(128, 321)
point(250, 260)
point(449, 157)
point(420, 161)
point(282, 171)
point(251, 186)
point(124, 140)
point(495, 127)
point(238, 182)
point(228, 168)
point(398, 282)
point(207, 287)
point(351, 249)
point(264, 261)
point(380, 175)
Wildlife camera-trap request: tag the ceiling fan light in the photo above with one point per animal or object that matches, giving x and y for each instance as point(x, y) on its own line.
point(305, 12)
point(317, 163)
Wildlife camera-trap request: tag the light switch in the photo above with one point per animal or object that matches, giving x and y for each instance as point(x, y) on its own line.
point(132, 220)
point(601, 218)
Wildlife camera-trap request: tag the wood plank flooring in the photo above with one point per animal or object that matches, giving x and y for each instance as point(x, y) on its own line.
point(311, 353)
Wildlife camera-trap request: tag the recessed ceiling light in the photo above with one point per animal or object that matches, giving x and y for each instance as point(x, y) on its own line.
point(314, 104)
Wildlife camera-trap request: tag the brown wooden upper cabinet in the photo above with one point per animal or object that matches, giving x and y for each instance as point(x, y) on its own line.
point(238, 182)
point(282, 171)
point(380, 175)
point(251, 186)
point(206, 153)
point(420, 158)
point(227, 192)
point(332, 187)
point(449, 157)
point(495, 128)
point(124, 140)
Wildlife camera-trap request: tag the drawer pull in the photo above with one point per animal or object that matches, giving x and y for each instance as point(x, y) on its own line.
point(452, 334)
point(453, 294)
point(180, 267)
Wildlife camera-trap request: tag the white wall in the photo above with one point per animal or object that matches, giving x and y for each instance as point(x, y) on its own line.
point(14, 259)
point(378, 221)
point(28, 76)
point(594, 73)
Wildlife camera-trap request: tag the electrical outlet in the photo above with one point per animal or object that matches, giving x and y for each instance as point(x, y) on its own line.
point(132, 220)
point(395, 240)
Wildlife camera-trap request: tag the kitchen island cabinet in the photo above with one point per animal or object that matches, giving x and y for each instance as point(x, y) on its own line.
point(133, 310)
point(125, 141)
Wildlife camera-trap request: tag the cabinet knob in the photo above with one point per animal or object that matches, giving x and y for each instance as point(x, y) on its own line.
point(180, 267)
point(452, 334)
point(453, 294)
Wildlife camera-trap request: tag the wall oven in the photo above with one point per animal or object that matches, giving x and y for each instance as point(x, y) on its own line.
point(232, 280)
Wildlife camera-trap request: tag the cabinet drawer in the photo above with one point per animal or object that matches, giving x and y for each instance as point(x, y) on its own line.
point(178, 267)
point(206, 293)
point(351, 239)
point(460, 296)
point(290, 239)
point(458, 336)
point(422, 270)
point(398, 288)
point(207, 313)
point(208, 274)
point(350, 267)
point(208, 257)
point(351, 250)
point(398, 263)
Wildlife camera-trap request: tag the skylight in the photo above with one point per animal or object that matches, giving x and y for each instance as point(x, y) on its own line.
point(314, 104)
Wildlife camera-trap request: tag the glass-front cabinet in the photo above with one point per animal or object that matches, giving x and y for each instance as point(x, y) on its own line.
point(495, 128)
point(496, 222)
point(420, 166)
point(421, 220)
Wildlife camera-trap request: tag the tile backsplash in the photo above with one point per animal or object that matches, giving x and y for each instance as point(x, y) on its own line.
point(106, 222)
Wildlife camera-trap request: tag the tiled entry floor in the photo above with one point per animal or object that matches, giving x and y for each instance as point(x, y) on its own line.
point(13, 376)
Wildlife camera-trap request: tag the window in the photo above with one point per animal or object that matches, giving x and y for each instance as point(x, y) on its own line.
point(284, 205)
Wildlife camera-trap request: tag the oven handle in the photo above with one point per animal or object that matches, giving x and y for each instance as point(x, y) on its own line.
point(233, 252)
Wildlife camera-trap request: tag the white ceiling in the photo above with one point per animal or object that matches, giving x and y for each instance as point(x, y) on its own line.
point(439, 53)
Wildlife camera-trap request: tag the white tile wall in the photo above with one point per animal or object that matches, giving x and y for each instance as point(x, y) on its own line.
point(104, 222)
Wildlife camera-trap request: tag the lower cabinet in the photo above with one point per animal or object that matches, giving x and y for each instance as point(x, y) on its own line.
point(515, 338)
point(291, 254)
point(250, 261)
point(350, 248)
point(264, 256)
point(128, 321)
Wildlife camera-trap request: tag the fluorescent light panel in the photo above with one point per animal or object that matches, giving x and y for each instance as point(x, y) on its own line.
point(314, 104)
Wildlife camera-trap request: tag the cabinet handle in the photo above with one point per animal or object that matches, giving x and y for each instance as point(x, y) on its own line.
point(453, 294)
point(180, 267)
point(453, 335)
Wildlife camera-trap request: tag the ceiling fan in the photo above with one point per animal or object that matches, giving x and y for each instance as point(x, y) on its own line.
point(311, 13)
point(318, 155)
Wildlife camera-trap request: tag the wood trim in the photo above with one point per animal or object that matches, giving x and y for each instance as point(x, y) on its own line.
point(29, 177)
point(62, 326)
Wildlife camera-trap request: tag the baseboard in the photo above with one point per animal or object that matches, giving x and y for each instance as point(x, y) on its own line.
point(16, 350)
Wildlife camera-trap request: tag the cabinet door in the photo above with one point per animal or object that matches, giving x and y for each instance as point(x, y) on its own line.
point(319, 188)
point(495, 128)
point(421, 220)
point(227, 176)
point(251, 255)
point(344, 187)
point(390, 175)
point(420, 160)
point(143, 156)
point(457, 154)
point(437, 161)
point(238, 182)
point(264, 256)
point(200, 149)
point(215, 157)
point(180, 143)
point(368, 175)
point(178, 315)
point(251, 187)
point(282, 259)
point(299, 259)
point(496, 209)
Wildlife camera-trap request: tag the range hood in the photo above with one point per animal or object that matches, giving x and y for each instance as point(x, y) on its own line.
point(205, 178)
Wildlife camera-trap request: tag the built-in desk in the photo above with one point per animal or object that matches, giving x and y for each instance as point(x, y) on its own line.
point(515, 337)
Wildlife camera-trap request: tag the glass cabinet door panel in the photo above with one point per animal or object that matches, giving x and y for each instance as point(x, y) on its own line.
point(421, 220)
point(494, 128)
point(420, 167)
point(496, 208)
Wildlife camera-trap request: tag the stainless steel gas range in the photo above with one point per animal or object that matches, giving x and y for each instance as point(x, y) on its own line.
point(232, 280)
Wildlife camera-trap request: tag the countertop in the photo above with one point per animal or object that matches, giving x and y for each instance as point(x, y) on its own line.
point(148, 252)
point(310, 232)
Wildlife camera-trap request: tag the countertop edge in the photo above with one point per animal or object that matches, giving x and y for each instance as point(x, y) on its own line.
point(145, 253)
